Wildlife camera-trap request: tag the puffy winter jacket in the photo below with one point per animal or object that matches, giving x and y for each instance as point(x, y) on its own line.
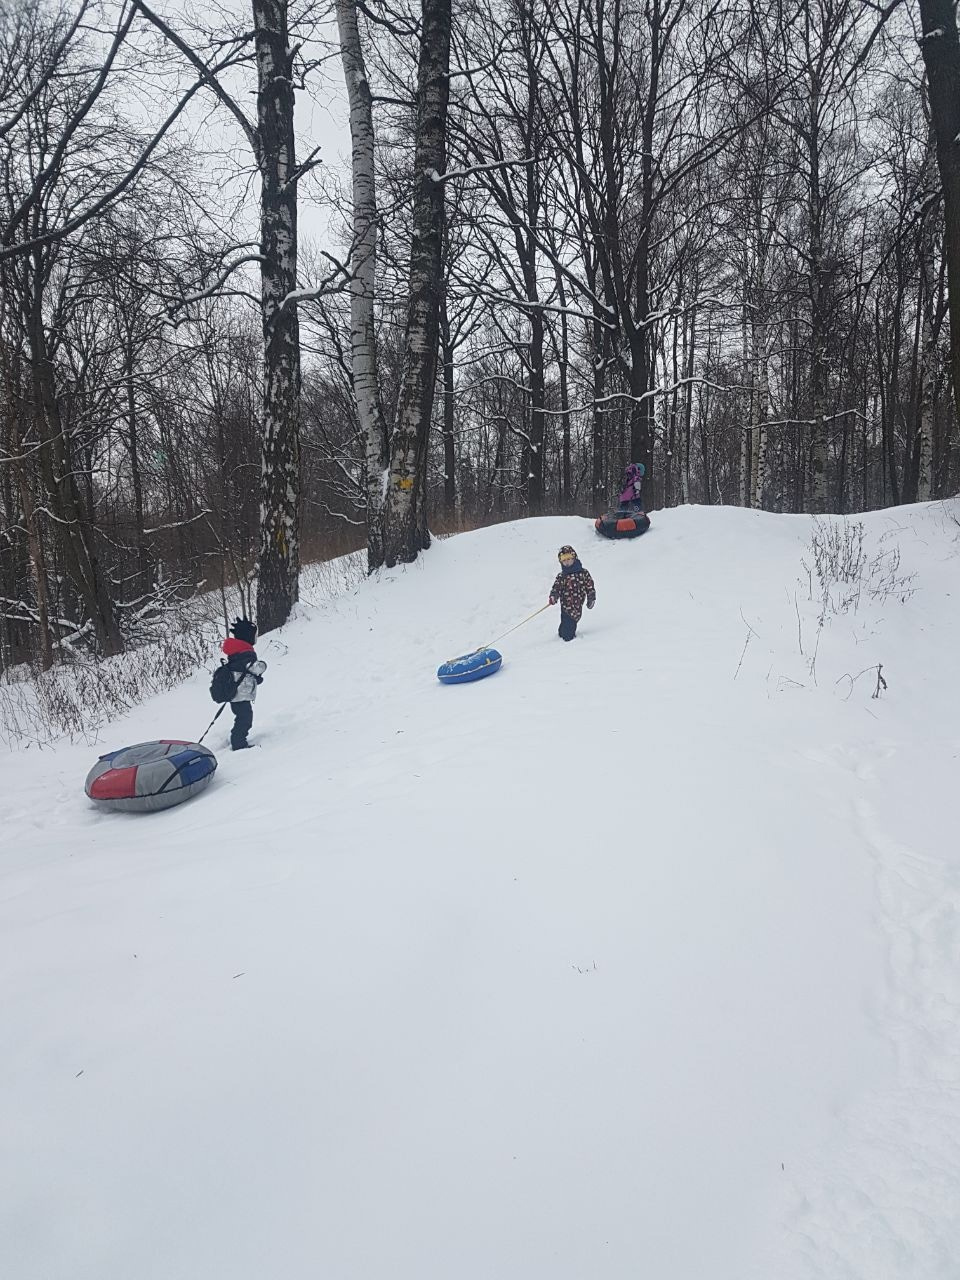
point(571, 587)
point(242, 659)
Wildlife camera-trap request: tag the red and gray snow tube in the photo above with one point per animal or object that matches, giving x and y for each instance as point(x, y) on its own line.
point(622, 523)
point(150, 775)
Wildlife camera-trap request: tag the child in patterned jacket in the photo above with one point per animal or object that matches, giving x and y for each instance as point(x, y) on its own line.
point(573, 585)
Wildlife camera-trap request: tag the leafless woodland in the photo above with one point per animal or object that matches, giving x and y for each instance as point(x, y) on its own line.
point(713, 237)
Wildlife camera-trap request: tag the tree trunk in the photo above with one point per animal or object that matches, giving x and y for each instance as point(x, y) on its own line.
point(366, 383)
point(405, 523)
point(564, 365)
point(279, 566)
point(746, 427)
point(941, 57)
point(689, 345)
point(641, 424)
point(449, 417)
point(642, 344)
point(818, 355)
point(58, 472)
point(929, 333)
point(136, 480)
point(761, 375)
point(38, 569)
point(533, 479)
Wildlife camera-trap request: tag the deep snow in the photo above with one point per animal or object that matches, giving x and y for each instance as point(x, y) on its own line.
point(639, 958)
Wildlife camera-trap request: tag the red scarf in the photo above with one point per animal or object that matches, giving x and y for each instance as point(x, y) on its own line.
point(232, 646)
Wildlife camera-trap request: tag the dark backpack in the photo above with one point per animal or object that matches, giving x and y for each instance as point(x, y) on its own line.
point(223, 686)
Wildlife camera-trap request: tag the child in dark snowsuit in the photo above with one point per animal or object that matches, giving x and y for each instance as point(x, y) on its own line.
point(243, 662)
point(571, 587)
point(630, 499)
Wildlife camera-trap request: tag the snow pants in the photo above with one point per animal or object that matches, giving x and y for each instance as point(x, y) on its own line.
point(242, 724)
point(568, 627)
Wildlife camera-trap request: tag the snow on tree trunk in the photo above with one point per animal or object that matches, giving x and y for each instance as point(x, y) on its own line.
point(941, 56)
point(928, 359)
point(746, 427)
point(689, 351)
point(279, 565)
point(598, 364)
point(366, 386)
point(59, 473)
point(761, 454)
point(818, 319)
point(38, 570)
point(761, 380)
point(404, 514)
point(534, 477)
point(929, 332)
point(447, 352)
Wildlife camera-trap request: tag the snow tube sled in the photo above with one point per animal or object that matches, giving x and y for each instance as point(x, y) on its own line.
point(150, 775)
point(622, 523)
point(471, 666)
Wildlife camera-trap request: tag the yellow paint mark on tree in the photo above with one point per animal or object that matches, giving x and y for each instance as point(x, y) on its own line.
point(405, 482)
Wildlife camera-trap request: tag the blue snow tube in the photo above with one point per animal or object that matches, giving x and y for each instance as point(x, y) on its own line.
point(471, 666)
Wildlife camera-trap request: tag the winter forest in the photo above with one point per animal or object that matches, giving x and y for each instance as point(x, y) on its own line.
point(354, 921)
point(282, 282)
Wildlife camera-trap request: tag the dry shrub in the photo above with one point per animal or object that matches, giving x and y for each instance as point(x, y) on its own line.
point(841, 571)
point(77, 698)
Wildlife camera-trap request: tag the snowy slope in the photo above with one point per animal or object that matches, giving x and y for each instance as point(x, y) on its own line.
point(638, 959)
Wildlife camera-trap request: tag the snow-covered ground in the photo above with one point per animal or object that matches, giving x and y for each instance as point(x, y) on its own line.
point(639, 959)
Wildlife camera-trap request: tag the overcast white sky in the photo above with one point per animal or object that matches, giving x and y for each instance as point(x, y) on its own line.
point(321, 119)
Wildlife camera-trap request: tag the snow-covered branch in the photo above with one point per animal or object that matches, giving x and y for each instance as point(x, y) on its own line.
point(478, 168)
point(217, 284)
point(175, 524)
point(330, 284)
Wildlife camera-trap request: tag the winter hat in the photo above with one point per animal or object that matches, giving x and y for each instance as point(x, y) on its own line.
point(244, 630)
point(566, 550)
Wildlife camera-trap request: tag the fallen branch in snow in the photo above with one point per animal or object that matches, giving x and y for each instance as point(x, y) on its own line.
point(881, 683)
point(789, 680)
point(853, 680)
point(812, 664)
point(750, 634)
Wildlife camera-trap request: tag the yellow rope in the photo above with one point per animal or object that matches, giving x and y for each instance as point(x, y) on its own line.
point(516, 628)
point(500, 637)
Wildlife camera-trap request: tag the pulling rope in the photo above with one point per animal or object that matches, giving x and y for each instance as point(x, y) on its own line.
point(512, 629)
point(213, 722)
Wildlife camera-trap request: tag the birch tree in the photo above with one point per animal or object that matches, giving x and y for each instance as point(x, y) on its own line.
point(363, 277)
point(272, 143)
point(404, 522)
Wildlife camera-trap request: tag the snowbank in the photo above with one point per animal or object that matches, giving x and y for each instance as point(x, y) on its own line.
point(639, 958)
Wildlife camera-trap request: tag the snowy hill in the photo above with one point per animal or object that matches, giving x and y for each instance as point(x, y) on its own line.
point(638, 959)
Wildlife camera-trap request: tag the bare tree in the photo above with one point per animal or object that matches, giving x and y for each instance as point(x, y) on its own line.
point(405, 531)
point(271, 140)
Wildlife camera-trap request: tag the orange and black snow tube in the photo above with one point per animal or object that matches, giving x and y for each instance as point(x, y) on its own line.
point(622, 523)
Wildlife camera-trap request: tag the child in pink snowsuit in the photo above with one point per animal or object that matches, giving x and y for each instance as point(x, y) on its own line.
point(630, 499)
